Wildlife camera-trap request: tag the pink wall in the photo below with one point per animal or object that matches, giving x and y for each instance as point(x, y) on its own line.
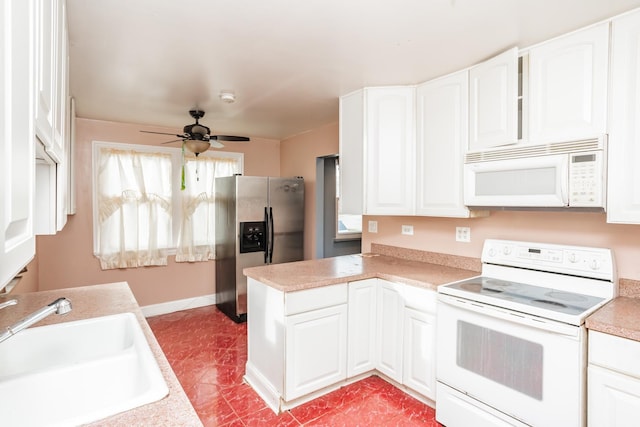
point(298, 158)
point(66, 259)
point(582, 229)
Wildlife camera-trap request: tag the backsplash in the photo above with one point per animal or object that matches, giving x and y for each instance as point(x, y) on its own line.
point(456, 261)
point(629, 288)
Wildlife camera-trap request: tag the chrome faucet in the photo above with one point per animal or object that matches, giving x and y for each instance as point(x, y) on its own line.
point(59, 306)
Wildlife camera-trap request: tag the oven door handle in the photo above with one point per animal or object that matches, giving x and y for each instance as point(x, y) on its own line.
point(510, 315)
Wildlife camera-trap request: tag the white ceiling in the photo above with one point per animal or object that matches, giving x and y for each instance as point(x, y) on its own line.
point(288, 61)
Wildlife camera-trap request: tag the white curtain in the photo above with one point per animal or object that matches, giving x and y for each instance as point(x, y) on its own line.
point(196, 241)
point(134, 208)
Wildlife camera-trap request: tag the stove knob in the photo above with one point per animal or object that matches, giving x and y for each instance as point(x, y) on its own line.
point(492, 251)
point(506, 250)
point(594, 264)
point(573, 257)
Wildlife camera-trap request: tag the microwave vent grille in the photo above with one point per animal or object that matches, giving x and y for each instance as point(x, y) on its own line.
point(535, 150)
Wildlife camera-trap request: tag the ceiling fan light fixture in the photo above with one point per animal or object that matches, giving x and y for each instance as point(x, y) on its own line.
point(228, 97)
point(197, 146)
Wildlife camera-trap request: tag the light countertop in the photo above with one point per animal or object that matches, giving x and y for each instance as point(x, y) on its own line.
point(102, 300)
point(297, 276)
point(620, 317)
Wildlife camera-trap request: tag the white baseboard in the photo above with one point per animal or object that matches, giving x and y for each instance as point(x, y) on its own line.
point(178, 305)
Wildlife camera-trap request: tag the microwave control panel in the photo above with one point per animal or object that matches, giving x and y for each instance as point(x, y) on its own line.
point(586, 179)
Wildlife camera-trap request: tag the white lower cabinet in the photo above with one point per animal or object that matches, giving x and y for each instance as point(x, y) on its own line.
point(389, 329)
point(361, 351)
point(305, 343)
point(613, 381)
point(419, 370)
point(316, 350)
point(297, 341)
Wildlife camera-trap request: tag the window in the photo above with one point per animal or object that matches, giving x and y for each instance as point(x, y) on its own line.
point(141, 214)
point(347, 226)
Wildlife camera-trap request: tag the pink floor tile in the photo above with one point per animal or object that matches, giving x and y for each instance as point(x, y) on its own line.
point(208, 353)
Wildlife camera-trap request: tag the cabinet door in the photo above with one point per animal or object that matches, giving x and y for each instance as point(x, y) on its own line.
point(568, 86)
point(390, 150)
point(442, 108)
point(316, 350)
point(419, 369)
point(389, 328)
point(623, 195)
point(61, 119)
point(493, 102)
point(46, 15)
point(362, 327)
point(351, 152)
point(613, 399)
point(17, 242)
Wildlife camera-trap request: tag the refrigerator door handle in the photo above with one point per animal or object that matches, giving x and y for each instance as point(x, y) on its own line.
point(266, 223)
point(271, 235)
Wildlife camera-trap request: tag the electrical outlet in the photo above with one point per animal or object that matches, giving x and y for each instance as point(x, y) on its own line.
point(463, 234)
point(373, 226)
point(407, 229)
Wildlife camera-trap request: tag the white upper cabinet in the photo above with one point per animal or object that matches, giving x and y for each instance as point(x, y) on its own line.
point(493, 102)
point(46, 15)
point(442, 108)
point(17, 241)
point(568, 86)
point(61, 118)
point(623, 195)
point(51, 100)
point(390, 150)
point(51, 82)
point(351, 153)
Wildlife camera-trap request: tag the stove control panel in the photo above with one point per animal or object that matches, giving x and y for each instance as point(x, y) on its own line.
point(577, 260)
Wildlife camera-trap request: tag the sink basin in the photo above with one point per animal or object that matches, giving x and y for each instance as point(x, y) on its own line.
point(77, 372)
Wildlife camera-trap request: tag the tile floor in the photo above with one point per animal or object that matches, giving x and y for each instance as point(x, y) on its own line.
point(208, 352)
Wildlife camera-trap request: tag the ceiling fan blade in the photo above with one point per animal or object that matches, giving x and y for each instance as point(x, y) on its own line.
point(216, 144)
point(159, 133)
point(175, 140)
point(229, 138)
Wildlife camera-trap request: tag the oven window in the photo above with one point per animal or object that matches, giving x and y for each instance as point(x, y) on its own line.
point(511, 361)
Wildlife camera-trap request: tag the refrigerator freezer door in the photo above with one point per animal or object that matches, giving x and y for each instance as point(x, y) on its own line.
point(238, 200)
point(286, 199)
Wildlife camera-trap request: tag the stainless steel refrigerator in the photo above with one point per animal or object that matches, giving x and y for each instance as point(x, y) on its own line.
point(259, 220)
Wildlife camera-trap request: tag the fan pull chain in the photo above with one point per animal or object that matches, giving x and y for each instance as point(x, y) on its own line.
point(182, 184)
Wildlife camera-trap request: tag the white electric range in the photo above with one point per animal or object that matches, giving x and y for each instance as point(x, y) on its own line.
point(512, 342)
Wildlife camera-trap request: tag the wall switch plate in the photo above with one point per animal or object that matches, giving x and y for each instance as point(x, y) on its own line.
point(463, 234)
point(373, 226)
point(407, 229)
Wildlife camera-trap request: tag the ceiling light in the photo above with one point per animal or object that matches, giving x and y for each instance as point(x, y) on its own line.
point(228, 97)
point(196, 146)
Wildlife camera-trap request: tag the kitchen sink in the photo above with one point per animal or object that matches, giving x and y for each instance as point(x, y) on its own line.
point(77, 372)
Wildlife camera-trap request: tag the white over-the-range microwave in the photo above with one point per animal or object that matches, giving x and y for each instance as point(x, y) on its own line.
point(558, 175)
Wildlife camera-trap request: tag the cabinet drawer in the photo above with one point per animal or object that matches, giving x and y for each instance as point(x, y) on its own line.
point(616, 353)
point(313, 299)
point(420, 298)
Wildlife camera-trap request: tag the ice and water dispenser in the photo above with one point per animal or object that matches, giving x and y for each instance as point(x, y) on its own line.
point(253, 237)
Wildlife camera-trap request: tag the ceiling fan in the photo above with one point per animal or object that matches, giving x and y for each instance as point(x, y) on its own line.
point(197, 138)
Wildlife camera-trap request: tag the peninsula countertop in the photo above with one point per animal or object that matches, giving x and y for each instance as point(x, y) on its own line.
point(297, 276)
point(102, 300)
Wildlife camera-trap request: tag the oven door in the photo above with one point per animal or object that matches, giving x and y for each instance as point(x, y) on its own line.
point(528, 368)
